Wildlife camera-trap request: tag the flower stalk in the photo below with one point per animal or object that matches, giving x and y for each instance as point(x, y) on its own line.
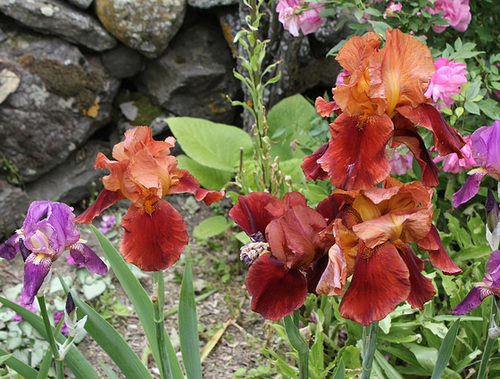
point(369, 348)
point(298, 343)
point(481, 374)
point(50, 337)
point(158, 301)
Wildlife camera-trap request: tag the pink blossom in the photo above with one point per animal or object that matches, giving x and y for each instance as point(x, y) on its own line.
point(340, 77)
point(446, 81)
point(391, 8)
point(295, 15)
point(456, 11)
point(401, 163)
point(454, 164)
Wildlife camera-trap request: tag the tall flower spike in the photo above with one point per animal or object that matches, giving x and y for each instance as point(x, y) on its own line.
point(144, 172)
point(48, 230)
point(381, 99)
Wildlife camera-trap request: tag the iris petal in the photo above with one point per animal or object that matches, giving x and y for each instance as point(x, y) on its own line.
point(379, 283)
point(437, 253)
point(356, 157)
point(276, 292)
point(153, 242)
point(104, 200)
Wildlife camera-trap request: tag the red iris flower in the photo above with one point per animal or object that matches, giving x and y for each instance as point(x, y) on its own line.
point(144, 172)
point(286, 251)
point(372, 233)
point(379, 103)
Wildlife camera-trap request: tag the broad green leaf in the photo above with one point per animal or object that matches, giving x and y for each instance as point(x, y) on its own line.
point(445, 350)
point(290, 114)
point(45, 366)
point(426, 356)
point(211, 144)
point(137, 295)
point(339, 373)
point(209, 178)
point(77, 363)
point(188, 326)
point(210, 227)
point(110, 340)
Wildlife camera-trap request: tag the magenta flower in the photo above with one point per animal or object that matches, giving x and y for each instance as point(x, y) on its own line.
point(58, 317)
point(457, 11)
point(401, 163)
point(489, 286)
point(107, 223)
point(452, 163)
point(446, 81)
point(486, 153)
point(48, 230)
point(295, 15)
point(29, 307)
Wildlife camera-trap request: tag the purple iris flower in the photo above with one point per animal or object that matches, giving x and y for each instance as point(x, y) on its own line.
point(48, 230)
point(489, 286)
point(486, 153)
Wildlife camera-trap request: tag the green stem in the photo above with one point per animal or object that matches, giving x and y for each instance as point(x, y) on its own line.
point(483, 366)
point(50, 337)
point(369, 348)
point(298, 343)
point(158, 300)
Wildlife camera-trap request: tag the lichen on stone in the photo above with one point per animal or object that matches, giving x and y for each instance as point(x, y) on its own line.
point(147, 112)
point(67, 81)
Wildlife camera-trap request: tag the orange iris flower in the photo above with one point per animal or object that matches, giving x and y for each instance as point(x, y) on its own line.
point(144, 172)
point(379, 103)
point(372, 233)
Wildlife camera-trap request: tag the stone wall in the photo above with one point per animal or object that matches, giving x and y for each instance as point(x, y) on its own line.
point(74, 74)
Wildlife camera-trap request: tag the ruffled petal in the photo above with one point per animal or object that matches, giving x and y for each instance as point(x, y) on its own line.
point(9, 248)
point(153, 241)
point(36, 268)
point(446, 139)
point(469, 189)
point(333, 280)
point(276, 292)
point(437, 253)
point(325, 108)
point(329, 208)
point(422, 289)
point(310, 166)
point(473, 299)
point(416, 145)
point(82, 254)
point(356, 157)
point(250, 213)
point(294, 238)
point(188, 183)
point(379, 283)
point(104, 200)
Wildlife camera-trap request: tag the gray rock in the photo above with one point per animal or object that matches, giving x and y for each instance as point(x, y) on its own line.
point(14, 202)
point(83, 4)
point(197, 75)
point(58, 18)
point(144, 25)
point(206, 4)
point(62, 99)
point(123, 62)
point(73, 179)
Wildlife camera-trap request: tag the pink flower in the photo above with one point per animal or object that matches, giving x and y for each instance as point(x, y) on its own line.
point(295, 15)
point(457, 11)
point(446, 81)
point(391, 8)
point(340, 77)
point(401, 163)
point(453, 164)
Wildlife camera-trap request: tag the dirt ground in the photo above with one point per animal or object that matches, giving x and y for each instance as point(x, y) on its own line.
point(227, 307)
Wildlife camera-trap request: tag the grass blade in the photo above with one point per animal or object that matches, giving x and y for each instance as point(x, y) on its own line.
point(445, 350)
point(110, 340)
point(188, 325)
point(139, 298)
point(18, 366)
point(74, 359)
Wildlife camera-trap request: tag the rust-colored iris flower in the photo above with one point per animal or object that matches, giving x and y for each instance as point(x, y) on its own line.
point(379, 104)
point(372, 234)
point(286, 251)
point(144, 172)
